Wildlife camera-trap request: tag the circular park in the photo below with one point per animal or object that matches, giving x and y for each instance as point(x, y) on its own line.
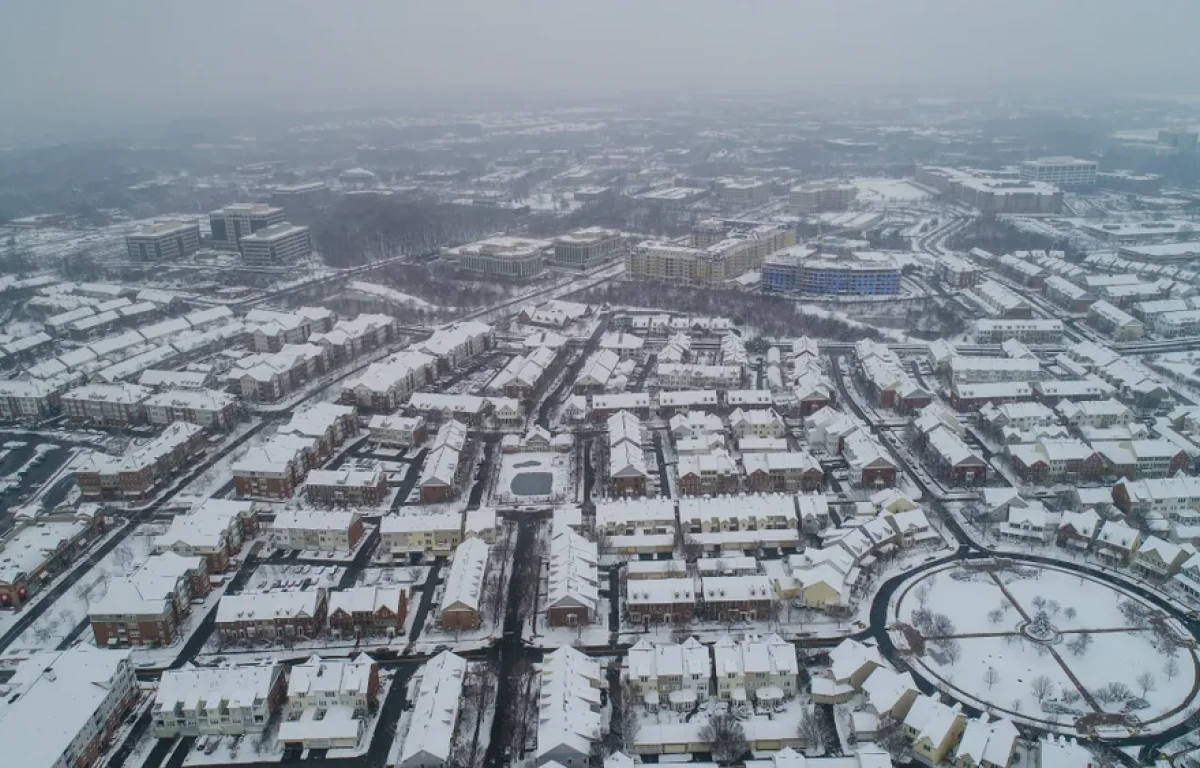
point(1054, 648)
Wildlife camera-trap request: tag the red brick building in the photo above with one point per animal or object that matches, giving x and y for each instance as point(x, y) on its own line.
point(367, 611)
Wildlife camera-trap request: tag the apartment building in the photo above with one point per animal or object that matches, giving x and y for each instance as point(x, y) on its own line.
point(62, 708)
point(661, 601)
point(278, 244)
point(231, 223)
point(350, 485)
point(1007, 196)
point(163, 241)
point(386, 384)
point(310, 530)
point(736, 598)
point(739, 252)
point(708, 474)
point(28, 401)
point(739, 193)
point(209, 408)
point(414, 535)
point(109, 405)
point(328, 702)
point(1068, 295)
point(148, 606)
point(585, 248)
point(438, 699)
point(997, 331)
point(213, 529)
point(36, 550)
point(502, 256)
point(1172, 498)
point(1060, 171)
point(402, 431)
point(789, 471)
point(274, 468)
point(135, 473)
point(807, 271)
point(816, 196)
point(196, 701)
point(986, 370)
point(999, 301)
point(569, 710)
point(957, 272)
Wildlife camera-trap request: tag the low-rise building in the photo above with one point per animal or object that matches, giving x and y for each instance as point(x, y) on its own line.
point(328, 701)
point(356, 486)
point(270, 616)
point(404, 431)
point(755, 669)
point(661, 600)
point(214, 529)
point(435, 711)
point(209, 408)
point(737, 598)
point(671, 674)
point(148, 606)
point(572, 591)
point(311, 530)
point(195, 701)
point(501, 256)
point(364, 611)
point(134, 474)
point(417, 535)
point(569, 709)
point(463, 596)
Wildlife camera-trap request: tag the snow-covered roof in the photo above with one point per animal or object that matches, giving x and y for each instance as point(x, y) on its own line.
point(573, 577)
point(464, 584)
point(318, 676)
point(850, 656)
point(198, 689)
point(435, 710)
point(569, 698)
point(269, 606)
point(366, 599)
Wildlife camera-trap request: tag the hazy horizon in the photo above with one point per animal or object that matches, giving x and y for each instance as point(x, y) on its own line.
point(75, 63)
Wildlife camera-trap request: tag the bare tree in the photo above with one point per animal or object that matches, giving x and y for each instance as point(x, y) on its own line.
point(1146, 682)
point(629, 722)
point(922, 593)
point(942, 625)
point(991, 677)
point(1041, 687)
point(726, 737)
point(808, 729)
point(995, 616)
point(1171, 668)
point(1015, 706)
point(1070, 613)
point(1079, 644)
point(1039, 603)
point(891, 736)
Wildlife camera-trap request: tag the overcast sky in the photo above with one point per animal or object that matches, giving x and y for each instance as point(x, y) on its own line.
point(141, 59)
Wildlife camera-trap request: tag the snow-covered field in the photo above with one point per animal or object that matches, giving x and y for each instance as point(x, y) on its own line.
point(888, 190)
point(391, 294)
point(533, 476)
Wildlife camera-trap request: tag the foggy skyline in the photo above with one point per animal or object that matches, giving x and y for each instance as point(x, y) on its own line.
point(78, 62)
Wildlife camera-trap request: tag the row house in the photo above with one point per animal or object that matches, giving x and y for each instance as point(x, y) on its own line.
point(1116, 543)
point(109, 405)
point(462, 595)
point(637, 403)
point(891, 386)
point(680, 402)
point(1187, 581)
point(270, 616)
point(789, 471)
point(1022, 417)
point(871, 465)
point(328, 701)
point(1169, 497)
point(933, 417)
point(521, 376)
point(573, 581)
point(698, 376)
point(597, 373)
point(626, 346)
point(661, 601)
point(1142, 458)
point(736, 598)
point(673, 674)
point(708, 474)
point(134, 474)
point(570, 722)
point(388, 383)
point(310, 530)
point(365, 611)
point(987, 370)
point(148, 606)
point(356, 486)
point(635, 517)
point(438, 408)
point(329, 424)
point(1067, 295)
point(1052, 461)
point(754, 667)
point(214, 529)
point(414, 536)
point(827, 430)
point(1039, 331)
point(628, 472)
point(972, 397)
point(206, 701)
point(439, 696)
point(402, 431)
point(953, 460)
point(443, 471)
point(757, 423)
point(270, 330)
point(812, 391)
point(1096, 414)
point(266, 378)
point(694, 424)
point(209, 408)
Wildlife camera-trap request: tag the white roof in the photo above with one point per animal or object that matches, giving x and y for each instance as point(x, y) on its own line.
point(366, 599)
point(623, 511)
point(573, 577)
point(568, 699)
point(200, 688)
point(314, 520)
point(269, 606)
point(436, 709)
point(317, 676)
point(416, 522)
point(51, 699)
point(850, 656)
point(464, 584)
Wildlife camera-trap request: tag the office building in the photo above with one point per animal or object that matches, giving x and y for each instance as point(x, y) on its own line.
point(588, 247)
point(233, 222)
point(1060, 171)
point(280, 243)
point(164, 241)
point(502, 256)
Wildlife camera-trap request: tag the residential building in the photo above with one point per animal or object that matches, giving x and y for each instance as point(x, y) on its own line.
point(1116, 322)
point(310, 530)
point(957, 272)
point(816, 196)
point(707, 474)
point(213, 529)
point(34, 552)
point(248, 618)
point(953, 460)
point(110, 405)
point(933, 728)
point(386, 384)
point(987, 744)
point(434, 713)
point(662, 600)
point(403, 431)
point(363, 611)
point(148, 606)
point(356, 486)
point(328, 702)
point(716, 262)
point(196, 701)
point(1068, 295)
point(28, 401)
point(1159, 560)
point(757, 423)
point(870, 463)
point(788, 471)
point(738, 598)
point(1039, 331)
point(572, 592)
point(443, 469)
point(1117, 543)
point(416, 535)
point(463, 594)
point(209, 408)
point(999, 301)
point(62, 708)
point(163, 241)
point(755, 668)
point(134, 474)
point(672, 674)
point(569, 721)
